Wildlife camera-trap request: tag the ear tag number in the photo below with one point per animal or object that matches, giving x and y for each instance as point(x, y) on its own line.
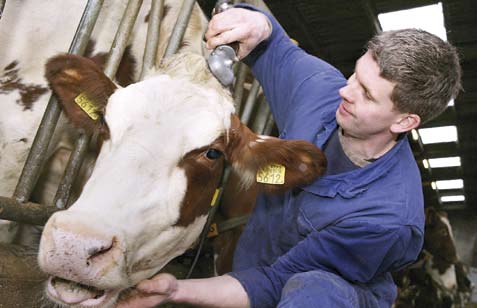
point(272, 174)
point(87, 105)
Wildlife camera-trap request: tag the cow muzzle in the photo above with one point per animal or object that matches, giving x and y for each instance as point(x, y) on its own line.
point(87, 266)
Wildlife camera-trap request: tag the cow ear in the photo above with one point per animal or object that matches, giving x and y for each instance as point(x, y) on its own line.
point(82, 89)
point(276, 165)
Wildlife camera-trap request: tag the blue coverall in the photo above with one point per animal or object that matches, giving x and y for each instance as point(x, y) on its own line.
point(332, 243)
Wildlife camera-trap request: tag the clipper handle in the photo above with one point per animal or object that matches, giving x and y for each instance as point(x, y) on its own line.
point(223, 57)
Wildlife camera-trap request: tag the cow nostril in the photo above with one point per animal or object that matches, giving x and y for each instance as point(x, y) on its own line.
point(97, 252)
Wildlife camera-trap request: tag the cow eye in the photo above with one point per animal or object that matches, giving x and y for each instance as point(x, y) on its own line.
point(213, 154)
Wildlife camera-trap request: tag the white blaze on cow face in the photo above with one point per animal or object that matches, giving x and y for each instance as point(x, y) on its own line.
point(137, 186)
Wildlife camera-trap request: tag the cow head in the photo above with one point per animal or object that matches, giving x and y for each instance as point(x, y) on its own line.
point(165, 142)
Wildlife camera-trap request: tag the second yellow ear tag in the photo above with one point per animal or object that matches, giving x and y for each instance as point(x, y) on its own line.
point(272, 174)
point(87, 105)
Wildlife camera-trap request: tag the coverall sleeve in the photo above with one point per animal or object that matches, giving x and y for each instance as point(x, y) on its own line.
point(282, 68)
point(355, 251)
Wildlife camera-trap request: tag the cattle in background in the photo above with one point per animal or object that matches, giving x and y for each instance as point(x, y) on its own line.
point(32, 31)
point(166, 139)
point(437, 279)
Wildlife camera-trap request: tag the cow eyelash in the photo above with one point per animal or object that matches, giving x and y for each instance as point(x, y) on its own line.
point(213, 153)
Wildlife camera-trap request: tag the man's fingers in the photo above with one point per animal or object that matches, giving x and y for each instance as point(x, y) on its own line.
point(161, 284)
point(224, 37)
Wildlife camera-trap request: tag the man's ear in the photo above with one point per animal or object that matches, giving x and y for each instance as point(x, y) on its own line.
point(82, 90)
point(406, 123)
point(276, 165)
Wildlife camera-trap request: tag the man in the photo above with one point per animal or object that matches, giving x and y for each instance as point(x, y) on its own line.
point(332, 243)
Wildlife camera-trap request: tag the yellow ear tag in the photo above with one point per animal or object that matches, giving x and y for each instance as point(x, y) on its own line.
point(271, 174)
point(88, 106)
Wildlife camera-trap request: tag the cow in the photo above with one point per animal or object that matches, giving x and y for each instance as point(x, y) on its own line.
point(31, 32)
point(437, 278)
point(165, 142)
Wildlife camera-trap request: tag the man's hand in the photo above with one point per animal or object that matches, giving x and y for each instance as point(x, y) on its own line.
point(220, 292)
point(152, 292)
point(247, 27)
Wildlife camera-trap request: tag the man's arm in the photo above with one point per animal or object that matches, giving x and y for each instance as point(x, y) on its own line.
point(356, 251)
point(294, 82)
point(222, 291)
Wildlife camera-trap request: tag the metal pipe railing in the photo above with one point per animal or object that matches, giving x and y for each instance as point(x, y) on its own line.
point(71, 172)
point(261, 116)
point(250, 103)
point(81, 146)
point(152, 39)
point(121, 39)
point(238, 86)
point(179, 28)
point(2, 6)
point(37, 155)
point(28, 212)
point(267, 130)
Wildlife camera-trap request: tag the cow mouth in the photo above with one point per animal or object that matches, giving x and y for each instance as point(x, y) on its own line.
point(75, 294)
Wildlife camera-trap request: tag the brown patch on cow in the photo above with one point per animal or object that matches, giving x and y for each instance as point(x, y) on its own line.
point(10, 82)
point(184, 44)
point(11, 66)
point(70, 76)
point(126, 69)
point(165, 10)
point(127, 65)
point(203, 176)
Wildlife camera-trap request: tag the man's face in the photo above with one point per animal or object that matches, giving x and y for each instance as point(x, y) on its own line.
point(366, 110)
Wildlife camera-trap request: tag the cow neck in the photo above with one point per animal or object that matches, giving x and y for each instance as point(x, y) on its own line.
point(214, 205)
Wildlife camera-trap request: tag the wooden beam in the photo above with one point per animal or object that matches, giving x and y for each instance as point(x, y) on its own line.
point(370, 12)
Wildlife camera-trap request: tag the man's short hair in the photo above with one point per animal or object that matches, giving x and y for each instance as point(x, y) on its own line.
point(425, 69)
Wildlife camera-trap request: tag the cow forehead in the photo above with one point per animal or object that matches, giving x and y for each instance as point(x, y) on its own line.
point(173, 112)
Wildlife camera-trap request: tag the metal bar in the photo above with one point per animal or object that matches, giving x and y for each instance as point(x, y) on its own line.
point(122, 36)
point(238, 87)
point(250, 103)
point(370, 12)
point(152, 39)
point(2, 6)
point(261, 117)
point(37, 155)
point(267, 130)
point(179, 28)
point(232, 223)
point(81, 146)
point(28, 212)
point(71, 172)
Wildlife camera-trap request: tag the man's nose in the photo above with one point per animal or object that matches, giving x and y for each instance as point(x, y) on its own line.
point(349, 91)
point(346, 93)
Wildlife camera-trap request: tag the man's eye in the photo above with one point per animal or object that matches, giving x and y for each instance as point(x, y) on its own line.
point(213, 154)
point(368, 96)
